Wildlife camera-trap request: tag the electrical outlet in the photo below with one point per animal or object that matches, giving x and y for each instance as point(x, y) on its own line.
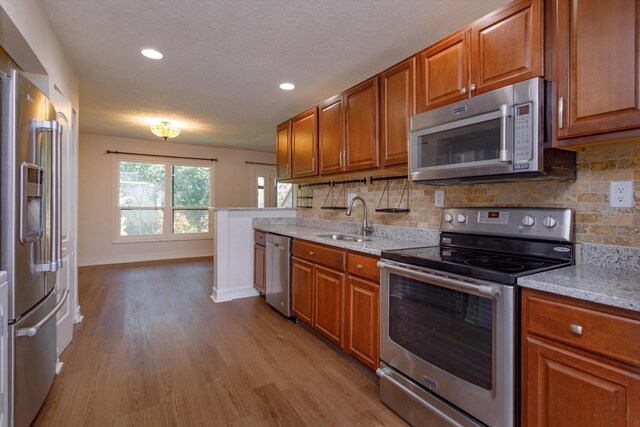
point(350, 197)
point(621, 194)
point(439, 198)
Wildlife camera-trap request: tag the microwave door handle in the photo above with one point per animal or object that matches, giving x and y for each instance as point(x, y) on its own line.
point(447, 282)
point(504, 135)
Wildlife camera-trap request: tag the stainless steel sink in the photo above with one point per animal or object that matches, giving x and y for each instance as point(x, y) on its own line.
point(344, 237)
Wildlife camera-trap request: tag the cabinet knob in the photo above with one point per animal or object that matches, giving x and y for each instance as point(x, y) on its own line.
point(463, 90)
point(576, 329)
point(311, 253)
point(359, 266)
point(472, 87)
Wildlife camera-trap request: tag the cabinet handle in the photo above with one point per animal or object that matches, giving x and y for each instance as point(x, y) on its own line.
point(472, 87)
point(576, 329)
point(313, 163)
point(311, 253)
point(341, 159)
point(359, 266)
point(463, 90)
point(561, 112)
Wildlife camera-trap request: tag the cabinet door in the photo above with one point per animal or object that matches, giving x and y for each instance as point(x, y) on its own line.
point(363, 333)
point(259, 271)
point(562, 388)
point(283, 141)
point(397, 105)
point(304, 144)
point(506, 46)
point(361, 125)
point(329, 308)
point(443, 71)
point(598, 54)
point(302, 290)
point(331, 135)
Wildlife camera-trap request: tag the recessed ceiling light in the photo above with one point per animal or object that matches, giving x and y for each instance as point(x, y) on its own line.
point(287, 86)
point(151, 53)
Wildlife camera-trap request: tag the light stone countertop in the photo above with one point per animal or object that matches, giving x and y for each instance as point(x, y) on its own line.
point(254, 209)
point(604, 285)
point(375, 246)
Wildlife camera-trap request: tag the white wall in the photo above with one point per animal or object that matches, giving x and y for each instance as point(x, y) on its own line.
point(30, 20)
point(96, 199)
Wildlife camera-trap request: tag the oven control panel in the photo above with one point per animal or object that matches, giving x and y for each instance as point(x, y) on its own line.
point(530, 223)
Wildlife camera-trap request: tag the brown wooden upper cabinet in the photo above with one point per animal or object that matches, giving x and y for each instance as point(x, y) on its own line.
point(443, 71)
point(283, 143)
point(502, 48)
point(397, 105)
point(348, 129)
point(304, 144)
point(361, 126)
point(506, 46)
point(331, 135)
point(596, 54)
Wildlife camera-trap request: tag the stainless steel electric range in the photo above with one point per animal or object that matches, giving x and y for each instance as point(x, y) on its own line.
point(449, 313)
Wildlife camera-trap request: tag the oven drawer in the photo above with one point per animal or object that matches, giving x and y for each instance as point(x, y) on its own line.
point(333, 258)
point(363, 266)
point(568, 321)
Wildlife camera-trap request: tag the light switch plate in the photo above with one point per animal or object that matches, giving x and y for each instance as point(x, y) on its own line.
point(621, 194)
point(439, 198)
point(350, 197)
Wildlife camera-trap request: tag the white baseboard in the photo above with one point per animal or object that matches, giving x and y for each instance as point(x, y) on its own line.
point(231, 294)
point(78, 315)
point(119, 259)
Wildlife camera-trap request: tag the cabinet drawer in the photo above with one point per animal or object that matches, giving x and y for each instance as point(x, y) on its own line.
point(259, 237)
point(597, 331)
point(363, 266)
point(330, 257)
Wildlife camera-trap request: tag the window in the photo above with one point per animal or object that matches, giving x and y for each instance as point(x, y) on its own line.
point(158, 200)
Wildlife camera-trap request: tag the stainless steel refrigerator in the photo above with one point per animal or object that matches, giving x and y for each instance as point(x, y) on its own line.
point(30, 240)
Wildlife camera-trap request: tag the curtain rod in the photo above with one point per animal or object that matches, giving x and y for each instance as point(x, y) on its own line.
point(159, 155)
point(259, 163)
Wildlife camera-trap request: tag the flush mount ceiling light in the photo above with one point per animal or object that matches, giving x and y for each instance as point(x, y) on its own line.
point(287, 86)
point(151, 53)
point(165, 131)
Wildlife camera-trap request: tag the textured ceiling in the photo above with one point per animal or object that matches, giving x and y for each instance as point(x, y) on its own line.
point(224, 59)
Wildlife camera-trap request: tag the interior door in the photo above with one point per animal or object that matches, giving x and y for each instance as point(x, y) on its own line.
point(67, 275)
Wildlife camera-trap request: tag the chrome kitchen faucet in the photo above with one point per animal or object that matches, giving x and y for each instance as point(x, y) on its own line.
point(366, 228)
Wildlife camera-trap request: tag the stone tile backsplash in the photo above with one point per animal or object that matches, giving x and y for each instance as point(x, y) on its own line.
point(588, 196)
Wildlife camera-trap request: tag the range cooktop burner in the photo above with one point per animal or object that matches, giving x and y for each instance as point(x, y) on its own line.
point(493, 264)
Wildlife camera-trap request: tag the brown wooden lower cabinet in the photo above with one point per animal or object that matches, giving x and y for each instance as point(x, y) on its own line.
point(259, 262)
point(329, 304)
point(302, 290)
point(362, 339)
point(337, 294)
point(566, 378)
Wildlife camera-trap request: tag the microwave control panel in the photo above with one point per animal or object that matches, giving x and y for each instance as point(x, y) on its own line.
point(523, 135)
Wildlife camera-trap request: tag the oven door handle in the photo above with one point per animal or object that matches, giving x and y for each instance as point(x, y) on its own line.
point(444, 281)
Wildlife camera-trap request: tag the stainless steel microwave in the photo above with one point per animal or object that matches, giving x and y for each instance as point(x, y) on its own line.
point(498, 135)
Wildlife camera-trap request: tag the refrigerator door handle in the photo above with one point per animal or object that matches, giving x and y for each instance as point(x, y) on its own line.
point(58, 193)
point(31, 331)
point(55, 255)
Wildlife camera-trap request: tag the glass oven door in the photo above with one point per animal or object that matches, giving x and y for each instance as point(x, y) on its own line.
point(452, 337)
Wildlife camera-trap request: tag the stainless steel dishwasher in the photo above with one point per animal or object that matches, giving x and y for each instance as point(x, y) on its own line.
point(277, 272)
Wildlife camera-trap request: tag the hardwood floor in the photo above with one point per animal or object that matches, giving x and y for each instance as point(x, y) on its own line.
point(154, 350)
